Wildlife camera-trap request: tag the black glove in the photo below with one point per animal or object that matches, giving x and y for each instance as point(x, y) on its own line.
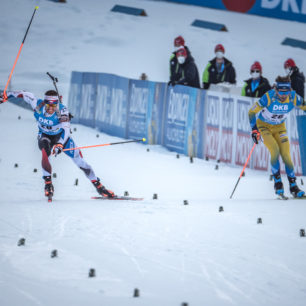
point(57, 149)
point(255, 135)
point(172, 83)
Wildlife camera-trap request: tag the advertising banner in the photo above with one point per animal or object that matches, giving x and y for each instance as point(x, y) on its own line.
point(112, 104)
point(283, 9)
point(196, 147)
point(88, 99)
point(186, 120)
point(74, 99)
point(180, 109)
point(156, 126)
point(227, 130)
point(292, 131)
point(141, 97)
point(244, 142)
point(301, 125)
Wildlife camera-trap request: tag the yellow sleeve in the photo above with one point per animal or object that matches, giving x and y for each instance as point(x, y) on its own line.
point(252, 113)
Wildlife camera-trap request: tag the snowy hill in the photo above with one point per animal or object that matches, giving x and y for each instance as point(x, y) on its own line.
point(87, 36)
point(173, 253)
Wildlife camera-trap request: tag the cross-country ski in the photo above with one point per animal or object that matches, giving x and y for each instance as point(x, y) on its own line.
point(122, 198)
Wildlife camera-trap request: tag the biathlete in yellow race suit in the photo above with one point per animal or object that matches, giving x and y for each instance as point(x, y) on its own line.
point(267, 118)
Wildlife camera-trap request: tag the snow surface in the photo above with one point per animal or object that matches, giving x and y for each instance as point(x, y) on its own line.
point(171, 252)
point(86, 36)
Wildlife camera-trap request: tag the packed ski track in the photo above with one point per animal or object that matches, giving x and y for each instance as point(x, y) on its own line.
point(172, 251)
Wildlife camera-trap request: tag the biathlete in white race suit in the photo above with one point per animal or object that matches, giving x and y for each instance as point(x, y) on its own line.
point(54, 135)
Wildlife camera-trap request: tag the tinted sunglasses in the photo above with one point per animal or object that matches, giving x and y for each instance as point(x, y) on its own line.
point(284, 93)
point(52, 105)
point(255, 71)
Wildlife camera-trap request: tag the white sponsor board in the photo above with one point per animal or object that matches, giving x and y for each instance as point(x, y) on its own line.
point(228, 133)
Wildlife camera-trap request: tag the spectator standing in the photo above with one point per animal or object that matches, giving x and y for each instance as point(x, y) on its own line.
point(219, 69)
point(179, 43)
point(257, 85)
point(187, 72)
point(297, 78)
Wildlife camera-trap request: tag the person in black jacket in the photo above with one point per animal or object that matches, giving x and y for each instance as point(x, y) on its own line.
point(219, 69)
point(179, 43)
point(187, 72)
point(257, 85)
point(297, 78)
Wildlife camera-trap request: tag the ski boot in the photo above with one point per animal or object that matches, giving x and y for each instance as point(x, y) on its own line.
point(278, 184)
point(49, 189)
point(294, 189)
point(102, 190)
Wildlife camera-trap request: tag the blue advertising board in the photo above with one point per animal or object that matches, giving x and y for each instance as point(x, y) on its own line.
point(301, 125)
point(179, 115)
point(156, 127)
point(88, 99)
point(196, 147)
point(283, 9)
point(141, 97)
point(74, 99)
point(112, 104)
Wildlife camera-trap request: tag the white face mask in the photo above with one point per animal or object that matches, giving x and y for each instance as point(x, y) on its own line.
point(219, 54)
point(288, 71)
point(255, 75)
point(181, 59)
point(178, 48)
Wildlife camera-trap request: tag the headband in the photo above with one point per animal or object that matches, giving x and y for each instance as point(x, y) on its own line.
point(283, 85)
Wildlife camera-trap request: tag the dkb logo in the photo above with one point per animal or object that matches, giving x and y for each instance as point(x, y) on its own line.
point(238, 5)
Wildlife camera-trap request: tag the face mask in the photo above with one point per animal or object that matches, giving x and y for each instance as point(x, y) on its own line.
point(177, 48)
point(219, 54)
point(181, 59)
point(288, 71)
point(255, 75)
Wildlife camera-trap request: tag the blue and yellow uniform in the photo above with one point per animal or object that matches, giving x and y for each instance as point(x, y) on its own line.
point(268, 116)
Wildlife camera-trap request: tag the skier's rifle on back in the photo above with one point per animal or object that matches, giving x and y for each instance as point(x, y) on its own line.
point(54, 81)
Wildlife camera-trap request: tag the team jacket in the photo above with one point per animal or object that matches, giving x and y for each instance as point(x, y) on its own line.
point(187, 74)
point(174, 65)
point(261, 89)
point(271, 110)
point(57, 123)
point(212, 76)
point(298, 81)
